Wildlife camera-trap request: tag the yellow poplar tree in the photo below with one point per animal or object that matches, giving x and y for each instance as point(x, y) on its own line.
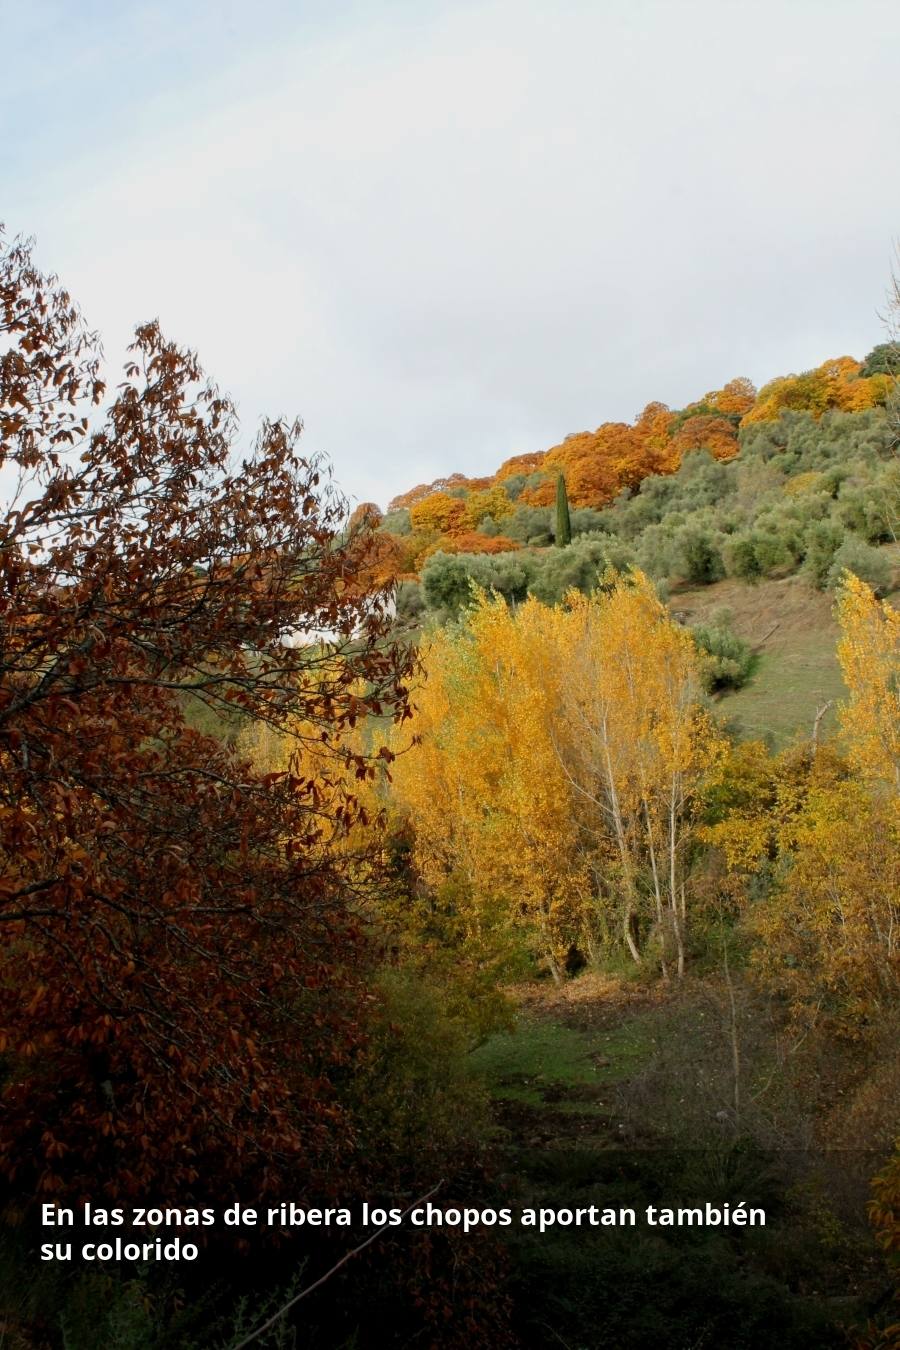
point(483, 785)
point(638, 747)
point(869, 653)
point(559, 756)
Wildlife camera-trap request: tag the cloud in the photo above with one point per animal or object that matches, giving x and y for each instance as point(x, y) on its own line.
point(447, 233)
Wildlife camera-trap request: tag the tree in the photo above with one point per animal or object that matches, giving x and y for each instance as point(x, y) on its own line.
point(181, 971)
point(563, 524)
point(869, 653)
point(556, 767)
point(637, 749)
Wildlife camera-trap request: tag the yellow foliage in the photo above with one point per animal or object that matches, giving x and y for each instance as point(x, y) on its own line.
point(491, 502)
point(558, 758)
point(829, 935)
point(835, 384)
point(439, 511)
point(869, 653)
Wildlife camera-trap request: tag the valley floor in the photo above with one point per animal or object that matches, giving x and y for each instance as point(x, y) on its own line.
point(615, 1094)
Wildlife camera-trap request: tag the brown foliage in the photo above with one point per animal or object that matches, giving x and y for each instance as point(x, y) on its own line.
point(181, 966)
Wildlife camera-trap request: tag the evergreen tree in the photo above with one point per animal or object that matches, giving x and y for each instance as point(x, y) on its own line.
point(563, 523)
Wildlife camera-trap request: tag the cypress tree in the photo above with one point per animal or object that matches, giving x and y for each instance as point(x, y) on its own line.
point(563, 524)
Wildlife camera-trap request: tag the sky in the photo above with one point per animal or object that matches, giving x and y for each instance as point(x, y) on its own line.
point(446, 233)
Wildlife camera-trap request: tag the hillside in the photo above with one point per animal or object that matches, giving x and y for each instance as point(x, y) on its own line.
point(793, 633)
point(747, 535)
point(509, 508)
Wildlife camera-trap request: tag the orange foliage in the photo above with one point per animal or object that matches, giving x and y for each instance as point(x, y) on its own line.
point(366, 515)
point(418, 494)
point(836, 384)
point(598, 464)
point(527, 463)
point(182, 979)
point(470, 541)
point(438, 511)
point(706, 432)
point(736, 398)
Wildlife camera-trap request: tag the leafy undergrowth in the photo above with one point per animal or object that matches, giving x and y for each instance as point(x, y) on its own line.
point(543, 1061)
point(575, 1127)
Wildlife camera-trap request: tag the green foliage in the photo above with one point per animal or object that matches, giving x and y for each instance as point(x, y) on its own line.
point(409, 601)
point(529, 525)
point(882, 360)
point(397, 522)
point(868, 563)
point(823, 539)
point(447, 579)
point(698, 555)
point(741, 558)
point(586, 520)
point(727, 660)
point(514, 484)
point(563, 524)
point(578, 567)
point(414, 1092)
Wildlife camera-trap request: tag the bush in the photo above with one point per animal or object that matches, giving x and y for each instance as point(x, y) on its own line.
point(868, 563)
point(447, 579)
point(414, 1091)
point(579, 566)
point(823, 539)
point(585, 520)
point(741, 558)
point(776, 550)
point(868, 509)
point(698, 557)
point(528, 522)
point(409, 601)
point(725, 659)
point(397, 522)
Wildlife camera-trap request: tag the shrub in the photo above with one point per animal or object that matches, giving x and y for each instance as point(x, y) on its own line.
point(414, 1091)
point(777, 550)
point(409, 601)
point(741, 559)
point(868, 563)
point(526, 522)
point(447, 579)
point(725, 659)
point(585, 520)
point(869, 509)
point(397, 522)
point(579, 566)
point(823, 539)
point(698, 557)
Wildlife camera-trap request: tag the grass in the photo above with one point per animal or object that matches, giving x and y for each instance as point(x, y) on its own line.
point(540, 1058)
point(794, 631)
point(556, 1081)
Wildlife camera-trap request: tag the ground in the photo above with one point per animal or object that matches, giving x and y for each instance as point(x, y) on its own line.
point(794, 632)
point(585, 1091)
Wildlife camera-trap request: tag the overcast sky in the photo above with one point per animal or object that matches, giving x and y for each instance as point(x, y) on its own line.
point(445, 233)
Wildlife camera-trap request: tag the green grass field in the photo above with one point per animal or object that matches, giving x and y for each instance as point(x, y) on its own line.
point(795, 633)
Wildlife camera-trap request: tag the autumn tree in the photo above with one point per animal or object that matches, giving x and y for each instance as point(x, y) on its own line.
point(637, 749)
point(558, 758)
point(483, 788)
point(869, 653)
point(827, 817)
point(182, 962)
